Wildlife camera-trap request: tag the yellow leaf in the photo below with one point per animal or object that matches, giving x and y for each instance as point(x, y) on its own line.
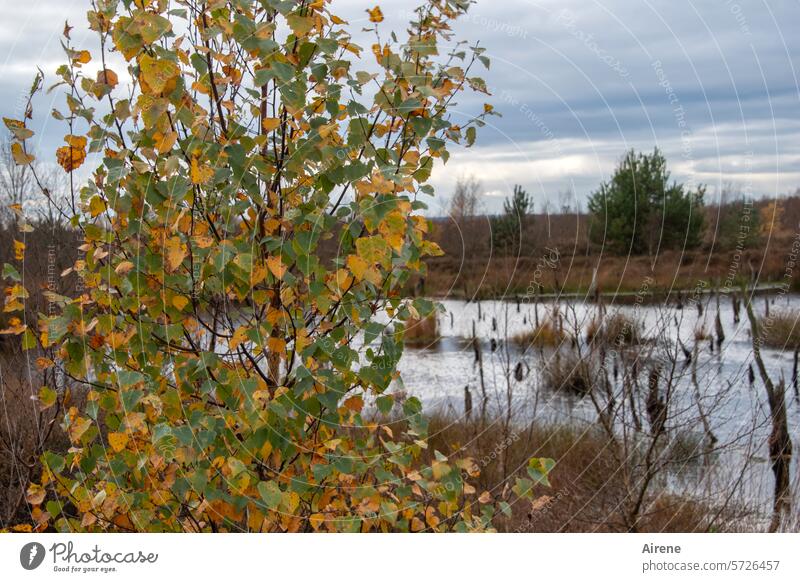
point(354, 403)
point(430, 517)
point(17, 128)
point(75, 141)
point(203, 241)
point(165, 142)
point(180, 301)
point(326, 130)
point(342, 280)
point(430, 248)
point(292, 500)
point(134, 420)
point(200, 174)
point(440, 469)
point(176, 252)
point(117, 440)
point(19, 155)
point(96, 206)
point(83, 57)
point(44, 363)
point(258, 274)
point(270, 123)
point(157, 73)
point(357, 266)
point(239, 336)
point(375, 14)
point(19, 250)
point(88, 519)
point(276, 266)
point(73, 155)
point(316, 519)
point(276, 345)
point(47, 397)
point(287, 296)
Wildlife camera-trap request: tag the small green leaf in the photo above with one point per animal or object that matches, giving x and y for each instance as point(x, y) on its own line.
point(472, 134)
point(539, 468)
point(47, 397)
point(9, 272)
point(270, 493)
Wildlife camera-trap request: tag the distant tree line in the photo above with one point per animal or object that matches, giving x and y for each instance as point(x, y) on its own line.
point(640, 210)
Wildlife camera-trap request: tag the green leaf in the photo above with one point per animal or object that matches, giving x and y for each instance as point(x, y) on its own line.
point(270, 493)
point(47, 397)
point(471, 135)
point(28, 340)
point(539, 468)
point(9, 272)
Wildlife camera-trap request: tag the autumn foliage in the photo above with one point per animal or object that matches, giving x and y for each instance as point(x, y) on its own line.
point(235, 380)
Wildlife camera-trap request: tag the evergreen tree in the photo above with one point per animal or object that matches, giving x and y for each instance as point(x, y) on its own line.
point(640, 212)
point(508, 228)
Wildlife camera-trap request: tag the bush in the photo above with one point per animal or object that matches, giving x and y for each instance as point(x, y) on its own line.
point(214, 344)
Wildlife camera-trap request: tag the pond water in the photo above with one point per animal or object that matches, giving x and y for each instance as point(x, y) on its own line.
point(734, 407)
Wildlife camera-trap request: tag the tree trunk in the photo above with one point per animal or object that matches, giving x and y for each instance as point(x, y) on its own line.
point(779, 442)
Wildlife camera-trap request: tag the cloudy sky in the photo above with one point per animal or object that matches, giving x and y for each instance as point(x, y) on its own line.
point(713, 83)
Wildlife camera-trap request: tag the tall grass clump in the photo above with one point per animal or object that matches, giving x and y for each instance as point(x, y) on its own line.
point(781, 330)
point(617, 329)
point(422, 331)
point(570, 373)
point(549, 332)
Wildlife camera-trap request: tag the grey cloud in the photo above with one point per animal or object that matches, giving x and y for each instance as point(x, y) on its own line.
point(576, 83)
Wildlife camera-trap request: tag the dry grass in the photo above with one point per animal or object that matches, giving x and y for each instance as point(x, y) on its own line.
point(456, 275)
point(701, 334)
point(781, 330)
point(586, 492)
point(570, 373)
point(422, 332)
point(549, 333)
point(617, 329)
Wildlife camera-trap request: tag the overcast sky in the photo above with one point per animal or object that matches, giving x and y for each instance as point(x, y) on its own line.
point(713, 83)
